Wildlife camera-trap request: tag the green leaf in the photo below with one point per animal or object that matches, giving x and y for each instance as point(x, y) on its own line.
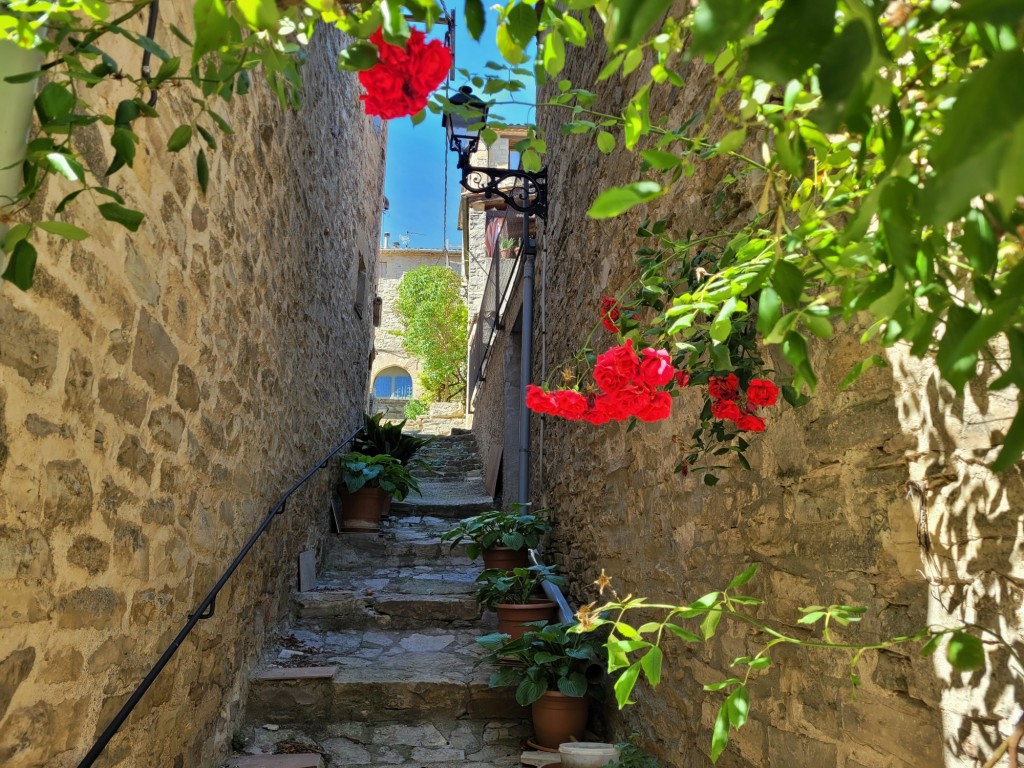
point(720, 735)
point(521, 23)
point(738, 706)
point(54, 101)
point(66, 166)
point(21, 266)
point(605, 142)
point(126, 217)
point(788, 281)
point(743, 578)
point(259, 14)
point(60, 228)
point(650, 662)
point(769, 310)
point(965, 652)
point(511, 52)
point(529, 690)
point(716, 22)
point(123, 140)
point(213, 28)
point(732, 141)
point(208, 137)
point(629, 21)
point(617, 200)
point(794, 348)
point(202, 170)
point(574, 684)
point(554, 53)
point(180, 138)
point(476, 19)
point(857, 370)
point(625, 684)
point(799, 34)
point(360, 55)
point(659, 160)
point(709, 624)
point(684, 634)
point(395, 27)
point(168, 68)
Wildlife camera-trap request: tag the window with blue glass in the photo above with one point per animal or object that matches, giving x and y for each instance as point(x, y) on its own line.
point(394, 383)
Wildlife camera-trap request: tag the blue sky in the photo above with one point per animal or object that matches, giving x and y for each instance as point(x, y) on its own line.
point(414, 181)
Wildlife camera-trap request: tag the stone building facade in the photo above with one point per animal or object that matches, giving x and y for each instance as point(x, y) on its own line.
point(394, 375)
point(158, 392)
point(824, 510)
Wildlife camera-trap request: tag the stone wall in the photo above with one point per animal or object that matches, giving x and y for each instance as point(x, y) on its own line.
point(158, 392)
point(824, 509)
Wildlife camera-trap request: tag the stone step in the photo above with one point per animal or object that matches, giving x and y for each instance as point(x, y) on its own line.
point(440, 743)
point(297, 760)
point(402, 541)
point(406, 676)
point(404, 597)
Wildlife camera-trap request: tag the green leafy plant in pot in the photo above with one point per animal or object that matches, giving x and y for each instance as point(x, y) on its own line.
point(556, 672)
point(514, 596)
point(377, 438)
point(501, 536)
point(367, 486)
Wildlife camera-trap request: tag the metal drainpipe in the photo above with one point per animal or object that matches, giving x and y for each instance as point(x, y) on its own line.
point(526, 358)
point(17, 99)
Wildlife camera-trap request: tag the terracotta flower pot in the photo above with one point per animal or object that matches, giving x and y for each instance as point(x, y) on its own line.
point(361, 511)
point(512, 618)
point(558, 718)
point(505, 559)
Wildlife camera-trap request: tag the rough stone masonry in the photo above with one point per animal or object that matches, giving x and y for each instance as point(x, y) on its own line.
point(158, 392)
point(824, 509)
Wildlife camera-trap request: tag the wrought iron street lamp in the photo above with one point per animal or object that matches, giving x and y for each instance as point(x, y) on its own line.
point(529, 191)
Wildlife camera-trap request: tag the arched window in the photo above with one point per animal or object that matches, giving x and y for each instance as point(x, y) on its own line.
point(393, 382)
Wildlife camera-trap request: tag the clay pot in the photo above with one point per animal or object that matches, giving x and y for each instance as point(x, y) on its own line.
point(587, 754)
point(361, 511)
point(558, 719)
point(505, 559)
point(512, 617)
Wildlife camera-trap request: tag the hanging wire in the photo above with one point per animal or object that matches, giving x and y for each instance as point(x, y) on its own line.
point(449, 40)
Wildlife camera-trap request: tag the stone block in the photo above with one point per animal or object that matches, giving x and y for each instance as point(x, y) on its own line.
point(78, 395)
point(24, 554)
point(91, 607)
point(13, 671)
point(155, 355)
point(61, 666)
point(134, 457)
point(187, 395)
point(29, 347)
point(124, 401)
point(67, 493)
point(89, 553)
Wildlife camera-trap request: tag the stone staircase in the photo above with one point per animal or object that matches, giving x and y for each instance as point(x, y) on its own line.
point(378, 665)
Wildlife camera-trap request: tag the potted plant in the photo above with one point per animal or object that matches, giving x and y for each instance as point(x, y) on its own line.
point(367, 485)
point(502, 537)
point(513, 596)
point(555, 671)
point(377, 439)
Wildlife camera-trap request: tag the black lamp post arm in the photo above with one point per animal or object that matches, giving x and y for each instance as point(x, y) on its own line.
point(488, 181)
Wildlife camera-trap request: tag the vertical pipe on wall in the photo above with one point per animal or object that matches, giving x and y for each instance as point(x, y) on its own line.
point(17, 99)
point(526, 361)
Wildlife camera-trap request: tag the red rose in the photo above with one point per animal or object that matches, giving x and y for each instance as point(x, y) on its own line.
point(656, 367)
point(608, 408)
point(617, 367)
point(538, 400)
point(658, 407)
point(724, 387)
point(610, 314)
point(762, 392)
point(725, 409)
point(748, 422)
point(568, 403)
point(402, 80)
point(682, 378)
point(631, 399)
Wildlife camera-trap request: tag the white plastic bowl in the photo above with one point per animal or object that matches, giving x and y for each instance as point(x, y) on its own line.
point(587, 754)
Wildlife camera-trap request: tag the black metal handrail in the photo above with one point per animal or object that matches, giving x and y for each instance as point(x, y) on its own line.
point(203, 611)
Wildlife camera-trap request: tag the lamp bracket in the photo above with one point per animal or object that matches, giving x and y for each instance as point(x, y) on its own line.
point(491, 182)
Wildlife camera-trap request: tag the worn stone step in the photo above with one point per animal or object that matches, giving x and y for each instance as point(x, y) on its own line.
point(466, 743)
point(404, 676)
point(406, 597)
point(314, 760)
point(402, 541)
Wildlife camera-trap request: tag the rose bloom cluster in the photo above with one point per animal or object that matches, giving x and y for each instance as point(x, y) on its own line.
point(402, 80)
point(629, 386)
point(727, 404)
